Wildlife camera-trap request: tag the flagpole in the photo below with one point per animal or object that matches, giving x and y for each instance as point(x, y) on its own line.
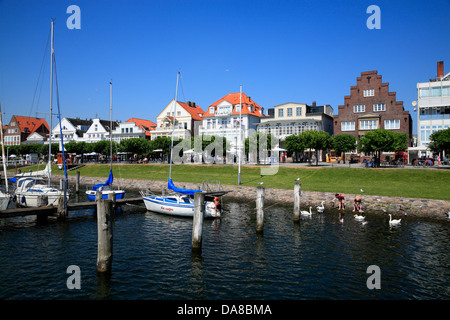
point(240, 133)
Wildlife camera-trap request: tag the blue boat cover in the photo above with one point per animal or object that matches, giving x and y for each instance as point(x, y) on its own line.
point(108, 182)
point(171, 186)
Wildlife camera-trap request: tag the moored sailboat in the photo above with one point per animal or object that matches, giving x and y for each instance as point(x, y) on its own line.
point(181, 201)
point(106, 188)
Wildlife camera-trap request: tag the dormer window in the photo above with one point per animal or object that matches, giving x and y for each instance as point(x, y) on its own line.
point(238, 108)
point(211, 110)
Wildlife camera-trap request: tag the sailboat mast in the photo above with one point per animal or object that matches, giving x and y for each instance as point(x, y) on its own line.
point(51, 108)
point(3, 150)
point(173, 126)
point(110, 124)
point(240, 133)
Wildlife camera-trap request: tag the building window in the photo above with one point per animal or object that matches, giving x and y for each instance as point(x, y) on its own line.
point(379, 107)
point(368, 93)
point(298, 112)
point(289, 112)
point(392, 124)
point(280, 112)
point(368, 124)
point(445, 91)
point(348, 126)
point(359, 108)
point(211, 110)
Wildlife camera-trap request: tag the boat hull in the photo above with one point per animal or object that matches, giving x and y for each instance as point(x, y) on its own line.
point(177, 208)
point(38, 199)
point(105, 194)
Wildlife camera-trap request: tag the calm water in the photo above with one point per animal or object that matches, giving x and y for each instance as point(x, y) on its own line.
point(317, 259)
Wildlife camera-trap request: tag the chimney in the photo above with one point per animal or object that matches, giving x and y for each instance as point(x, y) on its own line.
point(189, 103)
point(440, 69)
point(314, 103)
point(193, 104)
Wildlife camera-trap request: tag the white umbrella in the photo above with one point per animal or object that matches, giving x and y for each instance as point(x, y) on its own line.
point(278, 149)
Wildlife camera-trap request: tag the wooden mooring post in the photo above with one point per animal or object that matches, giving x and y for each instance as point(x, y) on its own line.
point(197, 225)
point(297, 198)
point(259, 209)
point(77, 182)
point(105, 217)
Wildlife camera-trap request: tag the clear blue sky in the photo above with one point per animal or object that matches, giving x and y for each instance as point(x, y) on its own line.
point(280, 51)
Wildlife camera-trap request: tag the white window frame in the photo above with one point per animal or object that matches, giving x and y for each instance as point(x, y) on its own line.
point(379, 107)
point(368, 124)
point(359, 108)
point(368, 92)
point(392, 124)
point(348, 126)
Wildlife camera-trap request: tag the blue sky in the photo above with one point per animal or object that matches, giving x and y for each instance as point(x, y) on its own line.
point(280, 51)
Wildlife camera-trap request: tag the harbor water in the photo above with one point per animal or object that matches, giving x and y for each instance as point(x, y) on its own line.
point(319, 258)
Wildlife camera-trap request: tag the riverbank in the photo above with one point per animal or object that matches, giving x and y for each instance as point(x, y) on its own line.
point(414, 207)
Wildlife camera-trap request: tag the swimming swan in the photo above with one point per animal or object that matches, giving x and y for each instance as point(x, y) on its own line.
point(306, 213)
point(394, 222)
point(359, 218)
point(321, 207)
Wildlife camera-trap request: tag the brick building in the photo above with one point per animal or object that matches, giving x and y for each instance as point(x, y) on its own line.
point(371, 106)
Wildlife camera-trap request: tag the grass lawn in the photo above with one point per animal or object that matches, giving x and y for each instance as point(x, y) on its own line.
point(409, 183)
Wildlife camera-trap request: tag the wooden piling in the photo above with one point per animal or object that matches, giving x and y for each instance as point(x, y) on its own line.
point(259, 209)
point(112, 197)
point(197, 225)
point(105, 235)
point(297, 197)
point(77, 182)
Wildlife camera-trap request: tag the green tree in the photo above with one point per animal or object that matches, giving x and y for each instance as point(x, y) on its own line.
point(343, 143)
point(440, 141)
point(137, 146)
point(294, 145)
point(380, 140)
point(317, 140)
point(258, 142)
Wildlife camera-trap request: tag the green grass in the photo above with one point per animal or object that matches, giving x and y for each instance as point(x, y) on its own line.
point(409, 183)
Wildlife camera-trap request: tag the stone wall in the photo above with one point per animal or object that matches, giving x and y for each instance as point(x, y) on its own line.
point(424, 208)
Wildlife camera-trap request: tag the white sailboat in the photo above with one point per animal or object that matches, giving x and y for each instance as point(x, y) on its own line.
point(32, 189)
point(181, 202)
point(106, 188)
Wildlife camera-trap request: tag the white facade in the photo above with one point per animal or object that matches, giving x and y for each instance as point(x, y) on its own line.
point(72, 129)
point(184, 120)
point(294, 118)
point(433, 113)
point(126, 130)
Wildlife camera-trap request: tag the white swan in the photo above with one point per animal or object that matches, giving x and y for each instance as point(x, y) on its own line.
point(359, 218)
point(321, 207)
point(306, 213)
point(447, 214)
point(394, 222)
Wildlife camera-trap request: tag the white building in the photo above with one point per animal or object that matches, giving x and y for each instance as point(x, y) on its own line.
point(72, 129)
point(98, 131)
point(133, 128)
point(188, 118)
point(294, 118)
point(223, 118)
point(433, 103)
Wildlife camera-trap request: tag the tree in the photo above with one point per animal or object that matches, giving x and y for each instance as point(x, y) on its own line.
point(317, 140)
point(294, 145)
point(382, 140)
point(440, 141)
point(258, 142)
point(138, 146)
point(343, 143)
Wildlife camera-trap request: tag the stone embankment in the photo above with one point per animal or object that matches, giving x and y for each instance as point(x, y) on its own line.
point(423, 208)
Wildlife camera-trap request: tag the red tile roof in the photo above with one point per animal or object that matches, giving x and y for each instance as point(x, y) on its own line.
point(145, 125)
point(194, 110)
point(233, 98)
point(31, 123)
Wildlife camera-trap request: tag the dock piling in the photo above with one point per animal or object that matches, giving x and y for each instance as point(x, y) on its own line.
point(197, 225)
point(77, 182)
point(105, 235)
point(297, 198)
point(259, 209)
